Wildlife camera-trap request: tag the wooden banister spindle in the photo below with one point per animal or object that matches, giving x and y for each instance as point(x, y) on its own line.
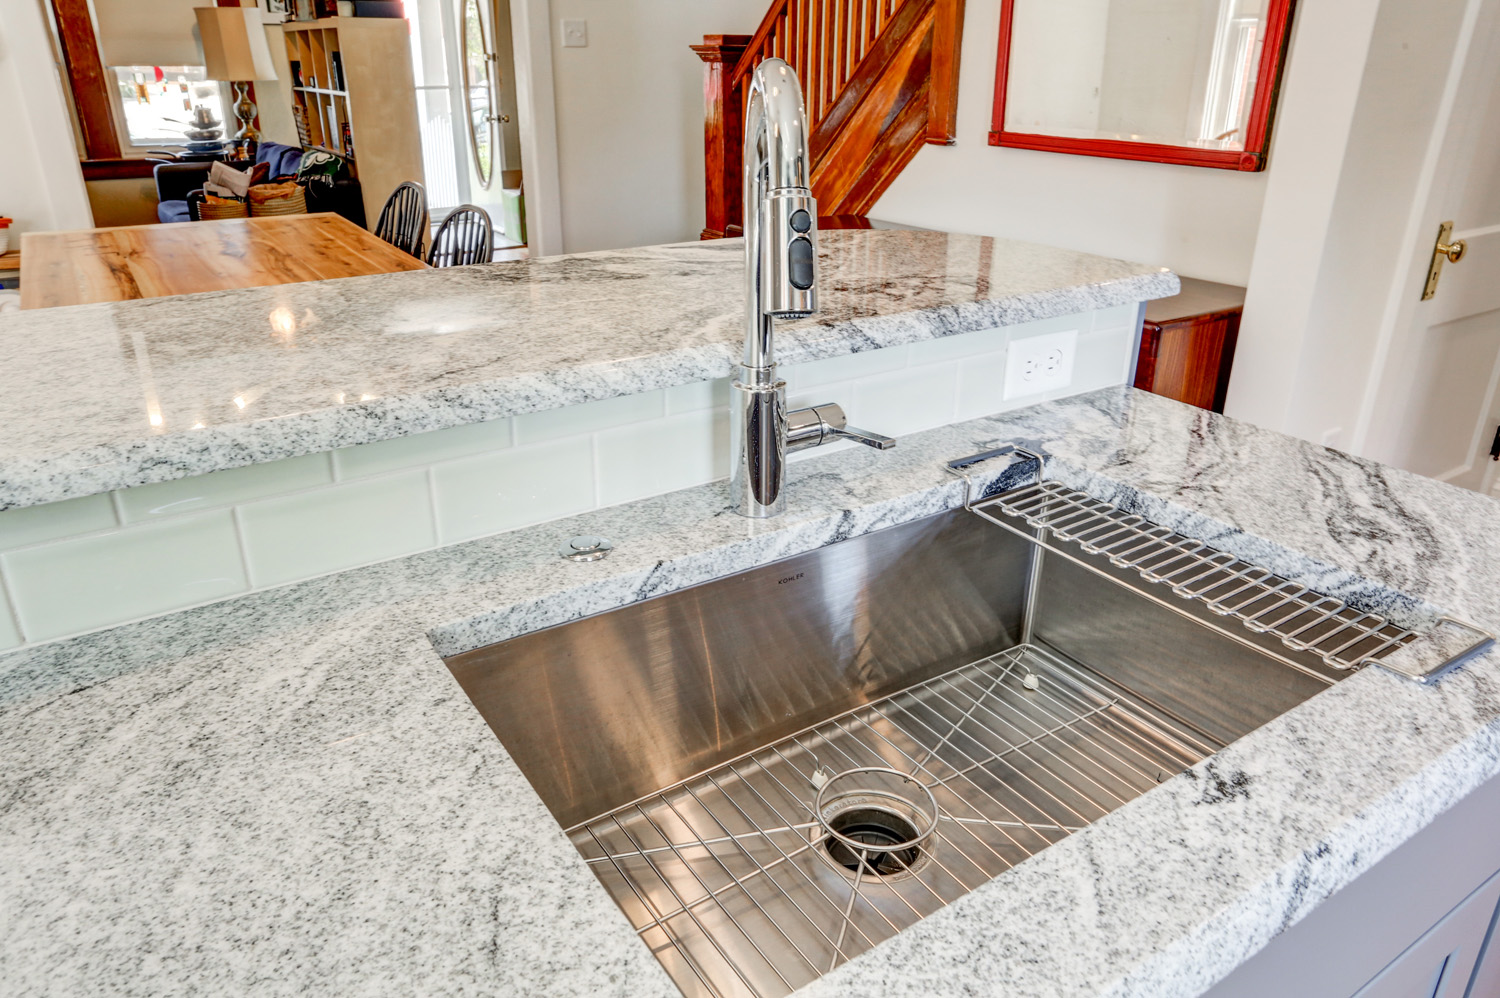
point(723, 121)
point(839, 39)
point(796, 34)
point(825, 57)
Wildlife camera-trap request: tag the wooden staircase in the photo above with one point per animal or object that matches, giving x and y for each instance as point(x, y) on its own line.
point(880, 77)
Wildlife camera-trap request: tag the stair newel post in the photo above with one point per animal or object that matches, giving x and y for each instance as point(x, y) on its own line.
point(723, 124)
point(942, 99)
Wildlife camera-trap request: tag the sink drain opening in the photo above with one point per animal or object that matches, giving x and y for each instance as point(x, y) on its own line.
point(885, 835)
point(873, 822)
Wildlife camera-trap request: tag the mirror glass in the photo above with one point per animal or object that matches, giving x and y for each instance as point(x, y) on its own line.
point(1172, 72)
point(477, 88)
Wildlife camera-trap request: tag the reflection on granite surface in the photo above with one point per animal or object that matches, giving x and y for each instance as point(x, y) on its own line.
point(106, 396)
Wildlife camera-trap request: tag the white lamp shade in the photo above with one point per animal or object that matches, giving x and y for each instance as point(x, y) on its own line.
point(155, 33)
point(234, 44)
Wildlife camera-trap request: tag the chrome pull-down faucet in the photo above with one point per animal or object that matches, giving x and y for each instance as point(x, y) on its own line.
point(781, 282)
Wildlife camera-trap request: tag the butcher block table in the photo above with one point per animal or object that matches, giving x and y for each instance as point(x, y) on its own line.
point(151, 261)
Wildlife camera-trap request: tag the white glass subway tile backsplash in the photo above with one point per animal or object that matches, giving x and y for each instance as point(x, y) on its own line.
point(87, 563)
point(324, 530)
point(91, 581)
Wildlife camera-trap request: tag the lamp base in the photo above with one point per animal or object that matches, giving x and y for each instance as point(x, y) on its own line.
point(244, 111)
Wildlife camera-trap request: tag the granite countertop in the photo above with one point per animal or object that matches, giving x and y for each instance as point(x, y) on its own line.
point(288, 792)
point(106, 396)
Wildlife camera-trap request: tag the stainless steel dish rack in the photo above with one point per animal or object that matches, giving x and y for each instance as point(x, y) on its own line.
point(759, 876)
point(1304, 621)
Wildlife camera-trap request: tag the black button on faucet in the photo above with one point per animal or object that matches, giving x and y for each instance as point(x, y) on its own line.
point(800, 258)
point(801, 220)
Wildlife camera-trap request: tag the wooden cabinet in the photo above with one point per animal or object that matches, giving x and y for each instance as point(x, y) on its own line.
point(1187, 343)
point(353, 94)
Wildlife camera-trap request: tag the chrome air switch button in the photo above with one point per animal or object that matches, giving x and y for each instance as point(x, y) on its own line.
point(800, 257)
point(585, 547)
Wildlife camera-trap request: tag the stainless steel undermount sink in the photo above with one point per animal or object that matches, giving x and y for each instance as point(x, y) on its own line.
point(773, 772)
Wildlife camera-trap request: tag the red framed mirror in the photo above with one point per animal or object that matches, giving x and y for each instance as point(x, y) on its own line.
point(1191, 82)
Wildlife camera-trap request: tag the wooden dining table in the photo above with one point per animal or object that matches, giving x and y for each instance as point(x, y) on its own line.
point(150, 261)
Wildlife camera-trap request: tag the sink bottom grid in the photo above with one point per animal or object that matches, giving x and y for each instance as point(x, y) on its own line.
point(759, 876)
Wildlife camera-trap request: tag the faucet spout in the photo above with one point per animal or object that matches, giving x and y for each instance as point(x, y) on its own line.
point(781, 282)
point(781, 269)
point(776, 188)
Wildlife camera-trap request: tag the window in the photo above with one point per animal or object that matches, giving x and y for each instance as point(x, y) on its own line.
point(156, 103)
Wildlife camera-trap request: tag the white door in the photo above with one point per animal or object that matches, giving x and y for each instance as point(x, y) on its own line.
point(1438, 407)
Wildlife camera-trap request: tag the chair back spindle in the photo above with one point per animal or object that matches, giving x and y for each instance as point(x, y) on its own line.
point(466, 236)
point(403, 220)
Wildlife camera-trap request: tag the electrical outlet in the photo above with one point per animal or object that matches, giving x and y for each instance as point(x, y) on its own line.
point(1037, 364)
point(575, 31)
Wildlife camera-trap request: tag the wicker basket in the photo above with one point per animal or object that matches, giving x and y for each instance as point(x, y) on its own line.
point(296, 204)
point(209, 211)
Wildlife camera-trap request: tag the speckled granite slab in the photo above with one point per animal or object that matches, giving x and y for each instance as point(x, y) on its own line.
point(98, 397)
point(287, 793)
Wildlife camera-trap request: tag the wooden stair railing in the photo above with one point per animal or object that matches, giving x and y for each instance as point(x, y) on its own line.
point(879, 77)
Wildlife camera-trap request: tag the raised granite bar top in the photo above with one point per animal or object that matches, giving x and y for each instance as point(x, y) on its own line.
point(287, 793)
point(106, 396)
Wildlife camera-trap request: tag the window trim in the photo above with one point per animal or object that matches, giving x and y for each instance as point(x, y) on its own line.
point(88, 82)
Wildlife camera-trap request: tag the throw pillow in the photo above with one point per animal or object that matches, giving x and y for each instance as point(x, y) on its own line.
point(320, 167)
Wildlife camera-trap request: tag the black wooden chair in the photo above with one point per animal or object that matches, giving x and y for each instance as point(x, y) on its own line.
point(466, 236)
point(403, 220)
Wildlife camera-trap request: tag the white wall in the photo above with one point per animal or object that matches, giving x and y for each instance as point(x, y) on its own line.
point(630, 117)
point(41, 186)
point(1199, 222)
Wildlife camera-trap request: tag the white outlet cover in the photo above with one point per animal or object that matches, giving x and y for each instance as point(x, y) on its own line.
point(1035, 365)
point(575, 31)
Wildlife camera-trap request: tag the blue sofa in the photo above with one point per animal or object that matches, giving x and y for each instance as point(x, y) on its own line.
point(175, 181)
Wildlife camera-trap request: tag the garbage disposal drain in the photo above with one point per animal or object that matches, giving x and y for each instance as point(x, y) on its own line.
point(887, 835)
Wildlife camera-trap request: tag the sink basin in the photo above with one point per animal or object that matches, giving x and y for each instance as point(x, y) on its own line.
point(774, 771)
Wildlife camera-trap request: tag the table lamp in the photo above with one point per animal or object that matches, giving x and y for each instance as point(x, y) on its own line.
point(235, 50)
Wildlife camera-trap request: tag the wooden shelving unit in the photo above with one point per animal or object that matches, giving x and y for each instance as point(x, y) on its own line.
point(353, 88)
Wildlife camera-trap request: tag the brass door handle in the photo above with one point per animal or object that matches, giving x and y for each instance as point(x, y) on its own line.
point(1442, 250)
point(1454, 251)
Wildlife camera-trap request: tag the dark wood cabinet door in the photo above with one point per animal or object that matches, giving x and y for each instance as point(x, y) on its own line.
point(1187, 344)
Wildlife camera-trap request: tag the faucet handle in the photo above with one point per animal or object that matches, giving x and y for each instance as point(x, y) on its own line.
point(818, 424)
point(877, 440)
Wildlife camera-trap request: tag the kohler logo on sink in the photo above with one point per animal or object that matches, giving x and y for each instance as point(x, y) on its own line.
point(790, 578)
